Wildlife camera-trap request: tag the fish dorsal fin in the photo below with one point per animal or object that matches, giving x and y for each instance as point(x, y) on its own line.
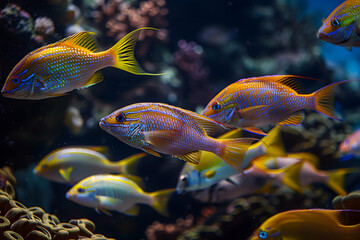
point(193, 157)
point(100, 149)
point(288, 80)
point(138, 180)
point(133, 211)
point(347, 217)
point(82, 39)
point(65, 173)
point(211, 126)
point(96, 78)
point(294, 119)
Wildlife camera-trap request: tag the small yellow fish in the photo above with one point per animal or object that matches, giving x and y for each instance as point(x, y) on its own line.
point(72, 164)
point(311, 224)
point(69, 64)
point(161, 128)
point(117, 193)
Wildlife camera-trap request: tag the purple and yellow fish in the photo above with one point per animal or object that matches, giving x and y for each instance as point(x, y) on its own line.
point(161, 128)
point(69, 64)
point(254, 102)
point(310, 224)
point(341, 27)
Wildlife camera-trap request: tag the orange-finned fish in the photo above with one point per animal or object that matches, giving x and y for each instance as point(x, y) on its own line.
point(310, 224)
point(69, 64)
point(253, 102)
point(341, 27)
point(161, 128)
point(351, 144)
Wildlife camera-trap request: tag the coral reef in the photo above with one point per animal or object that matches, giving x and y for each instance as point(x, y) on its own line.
point(19, 222)
point(350, 201)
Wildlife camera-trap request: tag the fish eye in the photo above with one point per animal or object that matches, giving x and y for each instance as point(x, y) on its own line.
point(15, 80)
point(120, 117)
point(263, 234)
point(184, 182)
point(335, 23)
point(81, 189)
point(346, 143)
point(216, 106)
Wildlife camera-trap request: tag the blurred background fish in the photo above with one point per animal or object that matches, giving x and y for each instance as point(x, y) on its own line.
point(341, 27)
point(72, 164)
point(117, 193)
point(319, 224)
point(351, 145)
point(69, 64)
point(161, 128)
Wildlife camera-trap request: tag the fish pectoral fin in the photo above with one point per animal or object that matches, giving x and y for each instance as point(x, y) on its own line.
point(255, 130)
point(65, 173)
point(210, 174)
point(150, 151)
point(82, 39)
point(193, 157)
point(160, 137)
point(250, 110)
point(96, 78)
point(133, 211)
point(107, 201)
point(102, 210)
point(294, 119)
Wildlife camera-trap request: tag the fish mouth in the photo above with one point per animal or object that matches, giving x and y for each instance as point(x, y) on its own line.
point(103, 124)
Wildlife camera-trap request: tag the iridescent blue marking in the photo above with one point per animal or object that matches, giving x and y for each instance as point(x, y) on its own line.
point(23, 72)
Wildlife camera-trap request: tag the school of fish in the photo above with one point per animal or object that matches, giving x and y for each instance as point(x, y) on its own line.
point(221, 162)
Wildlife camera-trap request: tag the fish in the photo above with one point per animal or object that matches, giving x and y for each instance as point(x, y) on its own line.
point(341, 27)
point(211, 169)
point(260, 101)
point(310, 224)
point(72, 164)
point(299, 172)
point(117, 193)
point(71, 63)
point(351, 145)
point(161, 128)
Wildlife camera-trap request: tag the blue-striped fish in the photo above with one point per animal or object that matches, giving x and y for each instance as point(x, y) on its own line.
point(69, 64)
point(161, 128)
point(117, 193)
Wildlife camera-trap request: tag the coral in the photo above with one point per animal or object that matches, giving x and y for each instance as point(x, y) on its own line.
point(120, 17)
point(350, 201)
point(44, 26)
point(20, 222)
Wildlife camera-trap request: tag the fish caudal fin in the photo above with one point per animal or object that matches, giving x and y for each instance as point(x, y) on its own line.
point(123, 53)
point(324, 100)
point(336, 179)
point(234, 151)
point(129, 165)
point(161, 199)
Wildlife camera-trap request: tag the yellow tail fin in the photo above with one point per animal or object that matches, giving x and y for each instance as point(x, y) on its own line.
point(161, 199)
point(292, 177)
point(336, 179)
point(129, 165)
point(123, 52)
point(234, 151)
point(324, 100)
point(273, 142)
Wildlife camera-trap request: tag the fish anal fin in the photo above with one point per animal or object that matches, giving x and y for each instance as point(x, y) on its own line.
point(150, 151)
point(133, 211)
point(65, 173)
point(294, 119)
point(255, 130)
point(96, 78)
point(102, 210)
point(56, 94)
point(82, 39)
point(193, 157)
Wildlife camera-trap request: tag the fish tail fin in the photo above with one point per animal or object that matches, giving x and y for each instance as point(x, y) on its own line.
point(161, 199)
point(123, 53)
point(324, 100)
point(129, 165)
point(336, 180)
point(273, 142)
point(233, 152)
point(292, 177)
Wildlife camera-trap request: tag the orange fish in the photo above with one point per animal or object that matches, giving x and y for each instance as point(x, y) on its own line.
point(161, 128)
point(311, 224)
point(351, 144)
point(341, 27)
point(69, 64)
point(253, 102)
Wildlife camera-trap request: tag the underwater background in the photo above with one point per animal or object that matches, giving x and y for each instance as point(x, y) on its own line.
point(203, 46)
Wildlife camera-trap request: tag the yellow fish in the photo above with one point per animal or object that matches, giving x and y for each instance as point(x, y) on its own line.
point(117, 193)
point(73, 164)
point(69, 64)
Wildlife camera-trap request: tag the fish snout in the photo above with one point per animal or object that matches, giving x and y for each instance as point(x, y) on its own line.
point(69, 195)
point(103, 124)
point(322, 36)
